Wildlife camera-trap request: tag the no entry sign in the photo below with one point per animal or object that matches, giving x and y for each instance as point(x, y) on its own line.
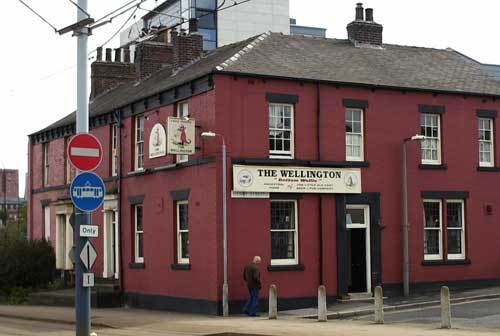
point(85, 152)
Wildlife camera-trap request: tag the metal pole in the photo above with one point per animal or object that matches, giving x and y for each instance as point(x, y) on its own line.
point(406, 276)
point(225, 304)
point(82, 294)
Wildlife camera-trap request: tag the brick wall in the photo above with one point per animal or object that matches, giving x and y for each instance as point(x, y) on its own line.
point(365, 32)
point(150, 57)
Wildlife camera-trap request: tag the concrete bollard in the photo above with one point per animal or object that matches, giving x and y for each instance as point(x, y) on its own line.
point(379, 305)
point(445, 308)
point(322, 310)
point(273, 302)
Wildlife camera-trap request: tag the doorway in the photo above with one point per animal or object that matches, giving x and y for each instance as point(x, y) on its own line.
point(359, 259)
point(111, 248)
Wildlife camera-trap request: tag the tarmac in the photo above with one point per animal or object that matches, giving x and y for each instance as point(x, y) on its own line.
point(125, 321)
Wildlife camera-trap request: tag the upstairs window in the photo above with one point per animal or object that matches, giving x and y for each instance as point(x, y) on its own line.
point(486, 148)
point(281, 129)
point(354, 135)
point(430, 126)
point(114, 149)
point(46, 167)
point(139, 143)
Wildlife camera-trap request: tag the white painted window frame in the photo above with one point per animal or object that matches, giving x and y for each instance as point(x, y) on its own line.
point(114, 149)
point(438, 256)
point(360, 134)
point(427, 138)
point(180, 259)
point(46, 222)
point(491, 163)
point(67, 163)
point(46, 163)
point(366, 226)
point(460, 256)
point(139, 143)
point(295, 260)
point(137, 234)
point(107, 238)
point(282, 154)
point(182, 112)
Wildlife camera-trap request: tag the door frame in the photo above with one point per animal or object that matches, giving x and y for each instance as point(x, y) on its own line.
point(372, 200)
point(366, 227)
point(108, 226)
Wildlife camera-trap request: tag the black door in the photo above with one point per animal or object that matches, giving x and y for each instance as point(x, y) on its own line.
point(357, 258)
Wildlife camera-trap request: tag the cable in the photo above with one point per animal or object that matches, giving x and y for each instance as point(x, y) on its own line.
point(118, 31)
point(80, 8)
point(116, 10)
point(41, 17)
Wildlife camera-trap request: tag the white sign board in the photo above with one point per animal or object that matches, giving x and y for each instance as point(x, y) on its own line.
point(157, 142)
point(88, 279)
point(89, 231)
point(181, 136)
point(296, 179)
point(88, 255)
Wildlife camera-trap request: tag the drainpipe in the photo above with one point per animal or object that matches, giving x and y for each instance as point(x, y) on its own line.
point(119, 203)
point(318, 116)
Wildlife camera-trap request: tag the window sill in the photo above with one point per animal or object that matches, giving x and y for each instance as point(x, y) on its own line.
point(137, 265)
point(443, 166)
point(446, 262)
point(284, 268)
point(488, 169)
point(181, 267)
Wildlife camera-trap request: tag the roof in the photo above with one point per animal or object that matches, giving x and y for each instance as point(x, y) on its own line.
point(316, 59)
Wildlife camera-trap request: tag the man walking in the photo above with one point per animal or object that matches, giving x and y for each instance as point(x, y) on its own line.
point(251, 274)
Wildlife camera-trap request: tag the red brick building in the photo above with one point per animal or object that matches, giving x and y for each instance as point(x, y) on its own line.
point(314, 129)
point(9, 195)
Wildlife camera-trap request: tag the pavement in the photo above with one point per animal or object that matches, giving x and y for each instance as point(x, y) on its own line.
point(43, 320)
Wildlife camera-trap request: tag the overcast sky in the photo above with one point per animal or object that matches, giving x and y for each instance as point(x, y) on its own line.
point(38, 83)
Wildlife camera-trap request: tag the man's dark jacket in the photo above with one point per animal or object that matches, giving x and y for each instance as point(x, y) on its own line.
point(251, 274)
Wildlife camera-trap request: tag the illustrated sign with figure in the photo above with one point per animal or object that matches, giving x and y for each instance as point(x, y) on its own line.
point(181, 136)
point(87, 191)
point(157, 142)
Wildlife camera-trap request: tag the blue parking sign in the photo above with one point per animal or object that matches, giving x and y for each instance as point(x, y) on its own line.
point(87, 191)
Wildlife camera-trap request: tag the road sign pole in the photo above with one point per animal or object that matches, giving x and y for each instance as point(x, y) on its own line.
point(82, 294)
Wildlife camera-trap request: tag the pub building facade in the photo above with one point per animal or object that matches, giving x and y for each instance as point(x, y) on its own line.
point(314, 130)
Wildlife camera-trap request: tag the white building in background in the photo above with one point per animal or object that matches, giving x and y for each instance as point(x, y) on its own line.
point(218, 27)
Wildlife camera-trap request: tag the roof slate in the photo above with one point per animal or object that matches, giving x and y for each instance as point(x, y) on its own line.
point(316, 59)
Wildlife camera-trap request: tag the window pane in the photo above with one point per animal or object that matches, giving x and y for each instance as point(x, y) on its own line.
point(454, 241)
point(138, 214)
point(183, 217)
point(140, 245)
point(355, 216)
point(431, 242)
point(184, 245)
point(431, 210)
point(282, 215)
point(283, 245)
point(454, 215)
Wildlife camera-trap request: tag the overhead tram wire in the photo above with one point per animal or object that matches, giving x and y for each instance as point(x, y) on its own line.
point(80, 8)
point(118, 9)
point(41, 17)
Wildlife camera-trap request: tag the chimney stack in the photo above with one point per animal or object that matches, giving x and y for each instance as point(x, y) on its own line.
point(187, 47)
point(361, 32)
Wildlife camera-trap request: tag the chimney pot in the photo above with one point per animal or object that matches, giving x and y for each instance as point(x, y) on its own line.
point(108, 54)
point(118, 55)
point(369, 14)
point(99, 54)
point(359, 12)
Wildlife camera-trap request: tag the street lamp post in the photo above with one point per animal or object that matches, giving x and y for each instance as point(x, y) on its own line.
point(225, 291)
point(406, 268)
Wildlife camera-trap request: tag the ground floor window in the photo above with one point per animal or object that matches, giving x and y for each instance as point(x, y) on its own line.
point(439, 229)
point(139, 234)
point(284, 237)
point(182, 232)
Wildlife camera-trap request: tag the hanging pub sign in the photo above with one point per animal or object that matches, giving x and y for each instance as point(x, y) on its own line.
point(296, 179)
point(181, 136)
point(157, 142)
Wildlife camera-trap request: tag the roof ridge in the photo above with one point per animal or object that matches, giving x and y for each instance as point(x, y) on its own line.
point(233, 59)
